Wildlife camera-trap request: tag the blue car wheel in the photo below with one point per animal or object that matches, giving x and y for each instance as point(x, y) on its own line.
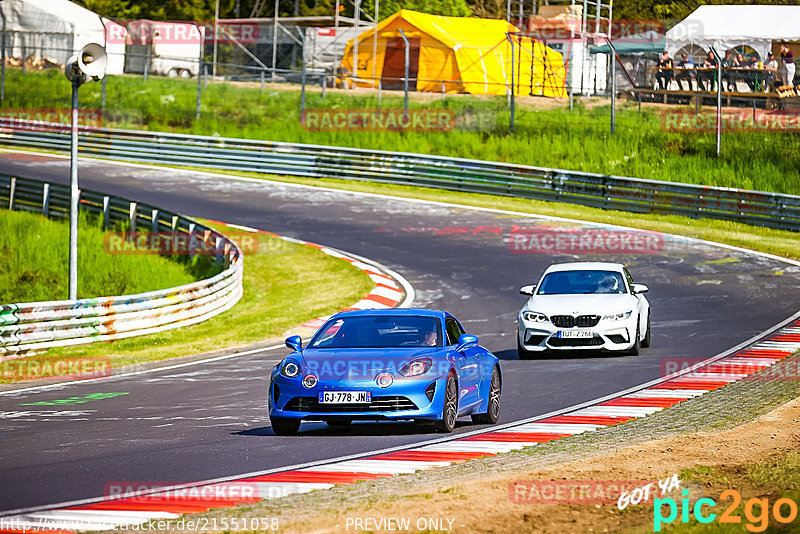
point(493, 406)
point(450, 407)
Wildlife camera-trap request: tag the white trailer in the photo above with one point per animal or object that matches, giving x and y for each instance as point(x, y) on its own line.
point(166, 48)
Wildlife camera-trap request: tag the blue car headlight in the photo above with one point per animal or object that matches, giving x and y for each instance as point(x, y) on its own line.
point(416, 367)
point(290, 369)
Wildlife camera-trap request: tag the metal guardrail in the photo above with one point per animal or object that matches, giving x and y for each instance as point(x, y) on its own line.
point(38, 326)
point(602, 191)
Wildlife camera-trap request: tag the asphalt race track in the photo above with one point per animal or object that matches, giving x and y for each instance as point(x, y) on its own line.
point(210, 420)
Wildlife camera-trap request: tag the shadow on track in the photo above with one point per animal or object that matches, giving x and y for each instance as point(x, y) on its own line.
point(358, 428)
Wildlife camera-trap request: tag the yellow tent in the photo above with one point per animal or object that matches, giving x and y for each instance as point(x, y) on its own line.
point(466, 54)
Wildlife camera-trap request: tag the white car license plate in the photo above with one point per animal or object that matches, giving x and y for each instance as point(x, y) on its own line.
point(345, 397)
point(570, 334)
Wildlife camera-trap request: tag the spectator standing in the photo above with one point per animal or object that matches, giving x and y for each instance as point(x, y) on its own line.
point(772, 70)
point(687, 64)
point(788, 65)
point(664, 75)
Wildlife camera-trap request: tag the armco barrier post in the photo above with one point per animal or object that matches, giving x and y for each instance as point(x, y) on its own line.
point(132, 217)
point(46, 199)
point(12, 190)
point(106, 212)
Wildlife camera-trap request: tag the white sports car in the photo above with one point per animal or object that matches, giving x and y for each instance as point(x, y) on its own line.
point(584, 306)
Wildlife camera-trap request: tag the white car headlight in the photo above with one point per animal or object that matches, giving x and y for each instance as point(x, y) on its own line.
point(619, 316)
point(534, 317)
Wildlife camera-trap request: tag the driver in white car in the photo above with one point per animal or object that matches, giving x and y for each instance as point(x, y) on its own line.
point(608, 284)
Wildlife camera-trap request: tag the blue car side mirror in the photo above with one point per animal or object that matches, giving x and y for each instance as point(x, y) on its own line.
point(466, 341)
point(295, 343)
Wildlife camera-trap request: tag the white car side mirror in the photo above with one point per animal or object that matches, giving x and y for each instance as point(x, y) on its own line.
point(639, 288)
point(527, 290)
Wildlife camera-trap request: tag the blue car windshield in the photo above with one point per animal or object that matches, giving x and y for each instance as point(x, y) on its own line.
point(381, 331)
point(581, 283)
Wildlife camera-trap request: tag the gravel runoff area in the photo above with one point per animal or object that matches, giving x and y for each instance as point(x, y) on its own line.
point(726, 425)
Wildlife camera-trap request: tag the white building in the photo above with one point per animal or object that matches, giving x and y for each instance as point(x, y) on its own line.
point(57, 29)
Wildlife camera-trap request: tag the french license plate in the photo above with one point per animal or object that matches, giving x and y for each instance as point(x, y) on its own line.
point(571, 334)
point(345, 397)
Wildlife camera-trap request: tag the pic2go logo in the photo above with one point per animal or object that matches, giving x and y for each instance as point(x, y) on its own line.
point(756, 511)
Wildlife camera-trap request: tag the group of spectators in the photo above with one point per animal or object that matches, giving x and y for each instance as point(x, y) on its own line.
point(763, 76)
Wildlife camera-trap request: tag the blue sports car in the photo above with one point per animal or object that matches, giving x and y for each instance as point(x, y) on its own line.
point(410, 364)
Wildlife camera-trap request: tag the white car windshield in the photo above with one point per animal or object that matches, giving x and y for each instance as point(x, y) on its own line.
point(582, 282)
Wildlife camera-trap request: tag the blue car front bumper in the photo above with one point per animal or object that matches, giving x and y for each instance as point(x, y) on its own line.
point(406, 398)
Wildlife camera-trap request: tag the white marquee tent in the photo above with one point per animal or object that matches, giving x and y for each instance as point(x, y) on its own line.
point(725, 27)
point(57, 29)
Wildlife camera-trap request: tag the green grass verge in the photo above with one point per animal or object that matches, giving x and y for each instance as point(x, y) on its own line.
point(34, 262)
point(284, 283)
point(554, 137)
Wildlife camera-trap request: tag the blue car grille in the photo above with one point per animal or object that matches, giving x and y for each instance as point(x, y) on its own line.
point(378, 404)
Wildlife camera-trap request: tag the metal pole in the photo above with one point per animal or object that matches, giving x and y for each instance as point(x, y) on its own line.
point(719, 100)
point(613, 84)
point(375, 42)
point(147, 54)
point(324, 86)
point(216, 38)
point(274, 39)
point(103, 94)
point(74, 196)
point(3, 65)
point(405, 70)
point(201, 76)
point(357, 23)
point(511, 125)
point(303, 80)
point(568, 74)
